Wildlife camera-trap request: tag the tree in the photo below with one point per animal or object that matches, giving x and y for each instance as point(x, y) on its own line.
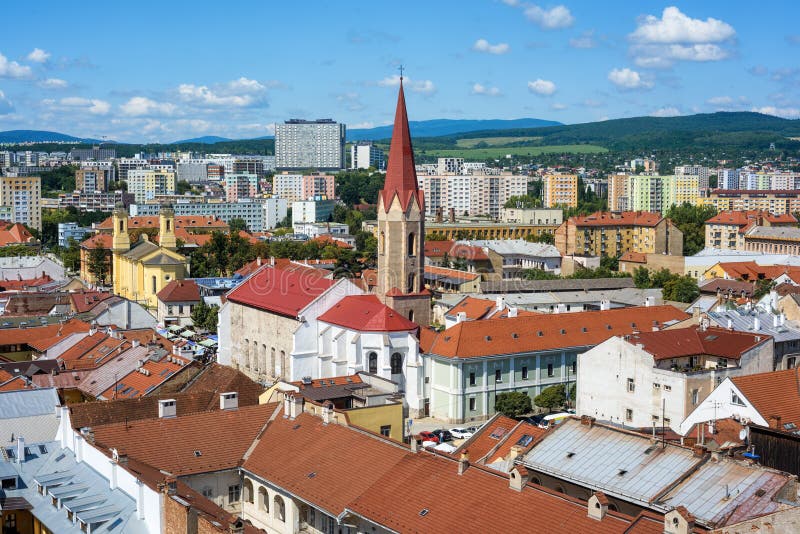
point(609, 262)
point(691, 221)
point(545, 237)
point(661, 277)
point(237, 224)
point(205, 317)
point(183, 187)
point(523, 202)
point(551, 397)
point(97, 264)
point(681, 289)
point(71, 255)
point(513, 403)
point(641, 277)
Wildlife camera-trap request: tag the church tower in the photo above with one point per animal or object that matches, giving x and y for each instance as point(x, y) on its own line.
point(120, 242)
point(166, 230)
point(401, 228)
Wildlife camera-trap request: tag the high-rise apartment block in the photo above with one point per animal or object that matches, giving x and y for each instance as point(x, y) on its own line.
point(728, 178)
point(294, 187)
point(618, 192)
point(301, 144)
point(95, 178)
point(701, 172)
point(128, 164)
point(145, 184)
point(680, 189)
point(364, 154)
point(560, 190)
point(240, 186)
point(22, 195)
point(472, 195)
point(777, 202)
point(95, 153)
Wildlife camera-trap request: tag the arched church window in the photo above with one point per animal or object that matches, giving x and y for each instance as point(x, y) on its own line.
point(412, 283)
point(372, 358)
point(412, 244)
point(397, 363)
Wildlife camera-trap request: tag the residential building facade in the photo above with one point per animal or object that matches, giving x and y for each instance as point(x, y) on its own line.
point(302, 144)
point(364, 154)
point(146, 184)
point(560, 190)
point(23, 196)
point(777, 202)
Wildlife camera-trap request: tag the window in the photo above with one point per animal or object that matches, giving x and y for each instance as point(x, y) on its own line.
point(170, 310)
point(372, 359)
point(386, 430)
point(628, 414)
point(631, 385)
point(695, 396)
point(234, 494)
point(524, 372)
point(312, 517)
point(248, 491)
point(667, 421)
point(412, 283)
point(397, 363)
point(791, 362)
point(412, 244)
point(656, 385)
point(667, 388)
point(263, 499)
point(550, 372)
point(472, 404)
point(498, 375)
point(154, 284)
point(280, 508)
point(180, 309)
point(735, 399)
point(575, 367)
point(9, 483)
point(722, 362)
point(472, 378)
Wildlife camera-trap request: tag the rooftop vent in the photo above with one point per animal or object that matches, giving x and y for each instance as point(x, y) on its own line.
point(423, 512)
point(570, 454)
point(622, 472)
point(198, 454)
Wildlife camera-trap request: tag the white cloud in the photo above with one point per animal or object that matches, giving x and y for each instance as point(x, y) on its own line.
point(77, 103)
point(38, 56)
point(558, 107)
point(366, 125)
point(628, 79)
point(542, 87)
point(237, 93)
point(720, 101)
point(479, 89)
point(670, 111)
point(786, 113)
point(12, 69)
point(424, 86)
point(196, 125)
point(482, 45)
point(550, 19)
point(139, 106)
point(585, 40)
point(675, 27)
point(6, 107)
point(53, 83)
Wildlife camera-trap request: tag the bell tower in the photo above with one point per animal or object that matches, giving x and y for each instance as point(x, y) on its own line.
point(166, 230)
point(401, 228)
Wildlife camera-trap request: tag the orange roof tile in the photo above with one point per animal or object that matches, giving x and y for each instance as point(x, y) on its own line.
point(634, 257)
point(83, 301)
point(146, 378)
point(180, 291)
point(474, 308)
point(452, 273)
point(19, 285)
point(437, 249)
point(365, 313)
point(98, 241)
point(16, 384)
point(41, 337)
point(14, 234)
point(191, 444)
point(746, 218)
point(524, 435)
point(625, 218)
point(325, 240)
point(90, 351)
point(488, 437)
point(693, 341)
point(774, 393)
point(472, 339)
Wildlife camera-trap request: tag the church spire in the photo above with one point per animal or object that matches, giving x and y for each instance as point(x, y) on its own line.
point(401, 175)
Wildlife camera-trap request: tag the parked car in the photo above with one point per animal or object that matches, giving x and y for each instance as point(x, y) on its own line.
point(443, 435)
point(536, 420)
point(473, 429)
point(428, 436)
point(460, 433)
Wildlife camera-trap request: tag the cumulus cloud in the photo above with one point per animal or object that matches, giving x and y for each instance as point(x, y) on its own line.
point(542, 87)
point(628, 79)
point(239, 93)
point(670, 111)
point(12, 69)
point(53, 83)
point(140, 106)
point(479, 89)
point(418, 86)
point(660, 42)
point(555, 18)
point(786, 113)
point(77, 103)
point(585, 40)
point(38, 55)
point(482, 45)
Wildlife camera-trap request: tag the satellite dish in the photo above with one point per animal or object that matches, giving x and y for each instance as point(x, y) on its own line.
point(743, 434)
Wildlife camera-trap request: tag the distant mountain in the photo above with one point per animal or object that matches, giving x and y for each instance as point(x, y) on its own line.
point(205, 140)
point(439, 127)
point(40, 136)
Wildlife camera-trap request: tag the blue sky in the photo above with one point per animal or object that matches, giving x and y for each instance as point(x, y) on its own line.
point(162, 71)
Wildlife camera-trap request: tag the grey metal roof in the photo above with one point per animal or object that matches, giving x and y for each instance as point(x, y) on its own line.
point(618, 462)
point(163, 259)
point(28, 402)
point(104, 376)
point(508, 247)
point(34, 428)
point(141, 249)
point(773, 232)
point(743, 320)
point(533, 286)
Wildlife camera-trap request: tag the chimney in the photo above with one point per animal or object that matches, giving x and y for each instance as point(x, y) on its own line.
point(295, 405)
point(774, 321)
point(696, 312)
point(756, 323)
point(452, 215)
point(20, 449)
point(512, 312)
point(587, 420)
point(518, 477)
point(414, 444)
point(656, 328)
point(781, 319)
point(327, 414)
point(500, 303)
point(773, 299)
point(605, 305)
point(461, 317)
point(135, 343)
point(649, 301)
point(776, 417)
point(229, 401)
point(730, 324)
point(258, 261)
point(439, 214)
point(463, 462)
point(167, 408)
point(699, 451)
point(678, 521)
point(285, 405)
point(237, 527)
point(597, 507)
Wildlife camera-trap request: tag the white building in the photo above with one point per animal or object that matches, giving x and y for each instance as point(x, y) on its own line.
point(259, 214)
point(657, 377)
point(304, 211)
point(701, 172)
point(316, 229)
point(470, 195)
point(364, 154)
point(146, 184)
point(301, 144)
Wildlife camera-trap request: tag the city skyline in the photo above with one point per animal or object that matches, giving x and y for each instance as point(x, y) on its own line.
point(168, 73)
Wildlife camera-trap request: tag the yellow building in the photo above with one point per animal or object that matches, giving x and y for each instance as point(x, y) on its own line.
point(142, 270)
point(613, 234)
point(560, 190)
point(679, 190)
point(146, 184)
point(22, 195)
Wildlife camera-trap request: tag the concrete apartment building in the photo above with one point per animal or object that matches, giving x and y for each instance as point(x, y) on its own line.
point(22, 196)
point(259, 214)
point(302, 144)
point(240, 186)
point(146, 184)
point(364, 154)
point(777, 202)
point(702, 173)
point(532, 215)
point(680, 189)
point(294, 187)
point(470, 194)
point(727, 229)
point(629, 380)
point(618, 191)
point(319, 210)
point(91, 179)
point(124, 165)
point(613, 234)
point(560, 190)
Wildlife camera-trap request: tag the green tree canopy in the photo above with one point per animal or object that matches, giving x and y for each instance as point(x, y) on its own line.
point(690, 220)
point(513, 404)
point(523, 202)
point(681, 289)
point(551, 397)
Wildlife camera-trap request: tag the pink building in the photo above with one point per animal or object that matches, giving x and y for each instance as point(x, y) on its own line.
point(318, 184)
point(240, 186)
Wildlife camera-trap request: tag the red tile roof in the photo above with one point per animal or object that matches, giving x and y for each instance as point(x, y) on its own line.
point(193, 222)
point(474, 308)
point(98, 241)
point(180, 291)
point(84, 301)
point(401, 174)
point(625, 218)
point(724, 285)
point(370, 276)
point(91, 351)
point(437, 249)
point(16, 384)
point(524, 435)
point(750, 270)
point(41, 337)
point(220, 437)
point(488, 437)
point(146, 378)
point(280, 290)
point(634, 257)
point(365, 313)
point(326, 240)
point(693, 341)
point(14, 234)
point(773, 394)
point(745, 218)
point(464, 276)
point(327, 382)
point(19, 285)
point(474, 339)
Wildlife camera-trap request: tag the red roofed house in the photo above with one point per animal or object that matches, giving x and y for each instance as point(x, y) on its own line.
point(15, 234)
point(176, 301)
point(726, 229)
point(625, 379)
